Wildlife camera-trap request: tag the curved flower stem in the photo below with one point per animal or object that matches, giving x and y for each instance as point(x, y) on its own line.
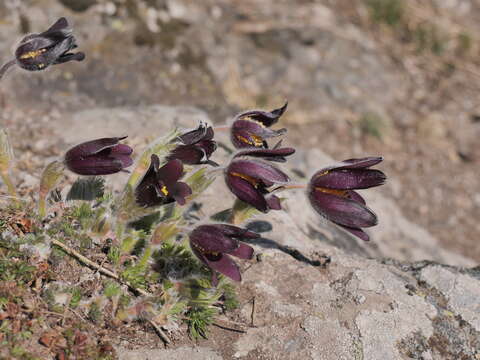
point(97, 267)
point(8, 182)
point(289, 187)
point(221, 128)
point(5, 67)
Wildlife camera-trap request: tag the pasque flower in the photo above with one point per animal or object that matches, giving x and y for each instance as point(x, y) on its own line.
point(160, 185)
point(99, 157)
point(38, 51)
point(251, 180)
point(196, 146)
point(331, 193)
point(252, 128)
point(213, 244)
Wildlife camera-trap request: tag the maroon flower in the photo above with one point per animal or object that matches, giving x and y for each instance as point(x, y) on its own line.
point(331, 193)
point(250, 181)
point(99, 157)
point(160, 185)
point(38, 51)
point(196, 146)
point(213, 244)
point(252, 128)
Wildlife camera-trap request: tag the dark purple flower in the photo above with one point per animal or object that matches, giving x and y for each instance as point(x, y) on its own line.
point(252, 128)
point(99, 157)
point(38, 51)
point(213, 244)
point(331, 193)
point(250, 181)
point(196, 146)
point(160, 185)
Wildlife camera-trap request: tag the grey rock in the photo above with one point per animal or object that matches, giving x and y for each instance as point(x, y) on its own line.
point(352, 308)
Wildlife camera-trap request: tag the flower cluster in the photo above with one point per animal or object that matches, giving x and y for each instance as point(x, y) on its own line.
point(173, 171)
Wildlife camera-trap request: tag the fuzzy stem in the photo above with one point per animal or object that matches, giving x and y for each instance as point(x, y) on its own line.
point(42, 207)
point(221, 128)
point(97, 267)
point(5, 67)
point(293, 186)
point(8, 182)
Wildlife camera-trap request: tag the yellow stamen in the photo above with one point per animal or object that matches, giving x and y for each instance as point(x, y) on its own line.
point(32, 54)
point(341, 193)
point(251, 180)
point(257, 140)
point(164, 190)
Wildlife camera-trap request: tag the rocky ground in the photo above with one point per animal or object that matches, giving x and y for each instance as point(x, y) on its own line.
point(361, 78)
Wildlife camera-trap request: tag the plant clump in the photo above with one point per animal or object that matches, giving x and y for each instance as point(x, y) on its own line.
point(151, 262)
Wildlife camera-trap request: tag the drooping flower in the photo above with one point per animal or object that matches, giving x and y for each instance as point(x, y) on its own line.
point(38, 51)
point(251, 180)
point(160, 185)
point(99, 157)
point(331, 193)
point(196, 146)
point(213, 244)
point(252, 128)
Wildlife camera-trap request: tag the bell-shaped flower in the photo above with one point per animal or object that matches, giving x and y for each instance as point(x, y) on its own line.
point(99, 157)
point(160, 185)
point(195, 146)
point(38, 51)
point(214, 244)
point(331, 193)
point(251, 180)
point(252, 128)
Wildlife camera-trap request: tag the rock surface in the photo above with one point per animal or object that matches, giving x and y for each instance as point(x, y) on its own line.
point(358, 305)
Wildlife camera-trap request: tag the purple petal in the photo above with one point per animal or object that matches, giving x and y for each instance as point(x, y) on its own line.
point(266, 118)
point(273, 202)
point(258, 170)
point(170, 172)
point(179, 192)
point(268, 154)
point(357, 232)
point(246, 133)
point(80, 56)
point(60, 25)
point(361, 163)
point(348, 179)
point(356, 197)
point(244, 251)
point(341, 210)
point(92, 147)
point(226, 266)
point(126, 160)
point(121, 149)
point(235, 231)
point(94, 165)
point(187, 154)
point(246, 192)
point(207, 238)
point(202, 132)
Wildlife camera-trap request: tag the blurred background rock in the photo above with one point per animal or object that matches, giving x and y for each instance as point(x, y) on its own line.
point(362, 77)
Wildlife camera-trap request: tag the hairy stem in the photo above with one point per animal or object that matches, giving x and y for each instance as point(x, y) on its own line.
point(5, 67)
point(8, 182)
point(97, 267)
